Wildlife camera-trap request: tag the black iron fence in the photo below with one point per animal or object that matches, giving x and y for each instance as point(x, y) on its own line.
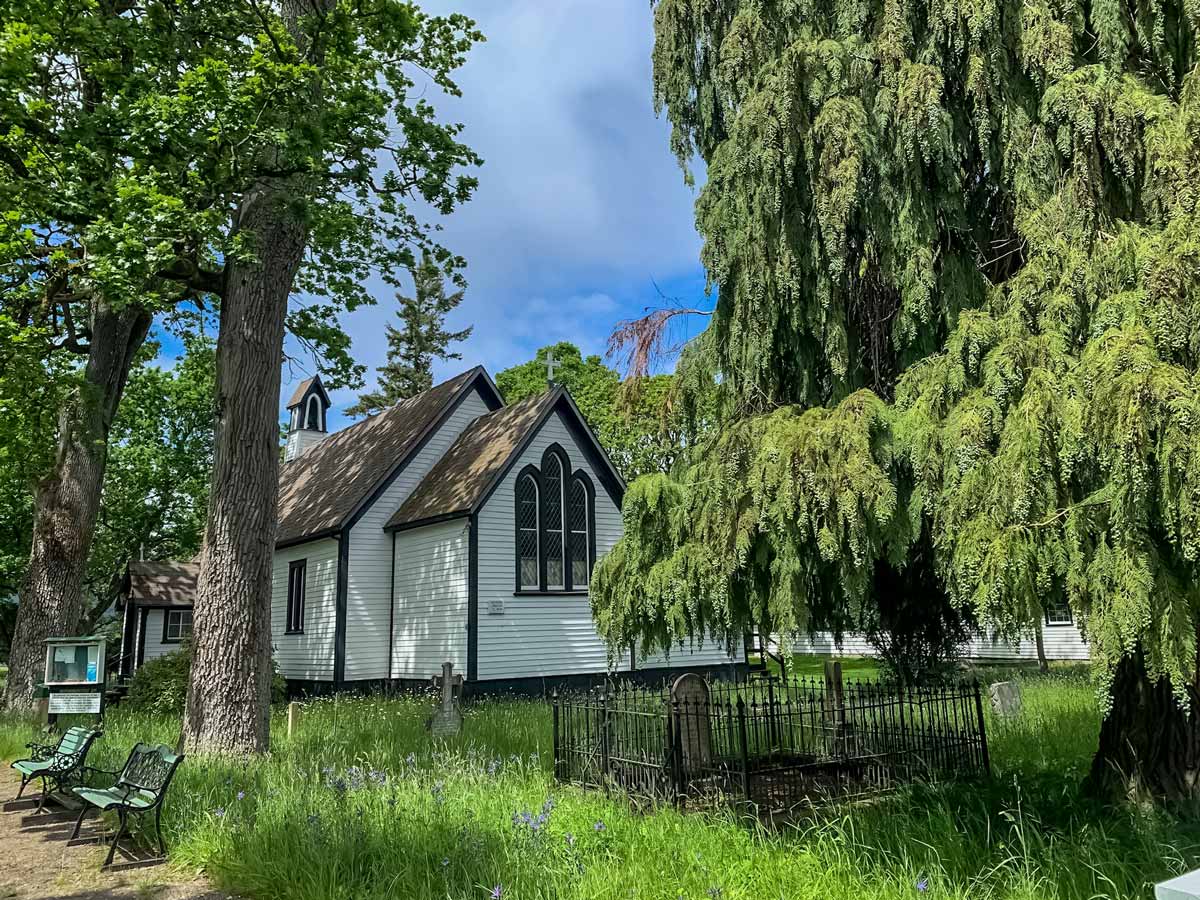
point(769, 741)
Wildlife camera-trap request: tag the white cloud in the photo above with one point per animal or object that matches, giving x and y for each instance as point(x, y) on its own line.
point(581, 206)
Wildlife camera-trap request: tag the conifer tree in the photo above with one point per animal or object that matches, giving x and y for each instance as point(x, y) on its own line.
point(421, 338)
point(957, 250)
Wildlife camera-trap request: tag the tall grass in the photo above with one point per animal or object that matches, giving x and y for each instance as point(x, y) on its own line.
point(362, 803)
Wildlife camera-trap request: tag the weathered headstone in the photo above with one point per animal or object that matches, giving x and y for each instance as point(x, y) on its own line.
point(447, 721)
point(1006, 699)
point(690, 695)
point(293, 719)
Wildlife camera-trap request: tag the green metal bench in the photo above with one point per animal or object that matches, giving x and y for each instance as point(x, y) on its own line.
point(60, 766)
point(139, 789)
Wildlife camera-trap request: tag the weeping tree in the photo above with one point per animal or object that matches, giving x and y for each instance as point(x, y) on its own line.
point(956, 334)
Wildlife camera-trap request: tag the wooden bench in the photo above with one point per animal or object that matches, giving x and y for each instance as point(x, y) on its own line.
point(60, 766)
point(139, 789)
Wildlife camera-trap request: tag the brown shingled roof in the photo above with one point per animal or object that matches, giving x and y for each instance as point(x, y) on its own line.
point(163, 583)
point(459, 480)
point(301, 390)
point(321, 489)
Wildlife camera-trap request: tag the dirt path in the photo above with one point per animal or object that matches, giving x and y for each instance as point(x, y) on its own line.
point(35, 860)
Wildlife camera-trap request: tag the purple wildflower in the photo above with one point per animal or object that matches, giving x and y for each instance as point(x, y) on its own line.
point(599, 826)
point(219, 812)
point(497, 892)
point(241, 795)
point(923, 885)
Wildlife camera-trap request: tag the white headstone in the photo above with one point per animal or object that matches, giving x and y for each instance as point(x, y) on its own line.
point(1006, 699)
point(1185, 887)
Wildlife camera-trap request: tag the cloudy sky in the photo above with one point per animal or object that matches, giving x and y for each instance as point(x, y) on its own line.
point(581, 207)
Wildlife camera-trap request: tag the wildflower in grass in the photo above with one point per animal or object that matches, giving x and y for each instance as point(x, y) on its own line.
point(493, 766)
point(410, 760)
point(219, 812)
point(445, 861)
point(497, 892)
point(923, 885)
point(338, 786)
point(599, 826)
point(377, 777)
point(438, 791)
point(241, 795)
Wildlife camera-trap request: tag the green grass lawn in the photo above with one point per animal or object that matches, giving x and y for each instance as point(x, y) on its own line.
point(362, 803)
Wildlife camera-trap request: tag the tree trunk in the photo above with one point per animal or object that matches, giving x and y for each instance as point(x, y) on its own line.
point(1149, 745)
point(228, 705)
point(1043, 666)
point(50, 601)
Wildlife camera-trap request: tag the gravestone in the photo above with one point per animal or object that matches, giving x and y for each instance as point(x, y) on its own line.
point(447, 721)
point(689, 694)
point(1006, 699)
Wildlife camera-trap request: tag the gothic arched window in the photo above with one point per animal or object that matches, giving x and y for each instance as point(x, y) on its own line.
point(579, 523)
point(528, 521)
point(554, 543)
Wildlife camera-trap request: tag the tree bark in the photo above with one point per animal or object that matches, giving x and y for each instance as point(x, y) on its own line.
point(1043, 666)
point(1149, 744)
point(50, 600)
point(228, 705)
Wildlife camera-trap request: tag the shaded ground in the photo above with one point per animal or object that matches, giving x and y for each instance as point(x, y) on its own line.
point(35, 860)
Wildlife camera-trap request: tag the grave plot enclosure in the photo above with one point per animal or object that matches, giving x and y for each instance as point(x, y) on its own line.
point(772, 742)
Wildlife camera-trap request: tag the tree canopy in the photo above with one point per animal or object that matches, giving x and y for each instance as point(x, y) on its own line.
point(641, 436)
point(956, 255)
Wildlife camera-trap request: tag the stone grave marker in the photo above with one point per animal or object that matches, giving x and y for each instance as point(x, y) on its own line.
point(447, 721)
point(690, 692)
point(1006, 699)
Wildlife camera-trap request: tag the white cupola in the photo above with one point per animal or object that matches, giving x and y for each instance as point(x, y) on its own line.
point(307, 411)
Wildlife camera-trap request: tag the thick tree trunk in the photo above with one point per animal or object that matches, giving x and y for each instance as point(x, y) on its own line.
point(50, 601)
point(1043, 666)
point(228, 705)
point(1149, 744)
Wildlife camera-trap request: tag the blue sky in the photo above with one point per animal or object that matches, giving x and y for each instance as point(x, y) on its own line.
point(581, 207)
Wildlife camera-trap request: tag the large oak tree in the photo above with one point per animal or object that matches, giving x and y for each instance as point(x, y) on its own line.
point(227, 154)
point(956, 248)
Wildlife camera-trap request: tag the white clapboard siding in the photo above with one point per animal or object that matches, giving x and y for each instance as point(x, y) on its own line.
point(1059, 641)
point(702, 653)
point(369, 584)
point(307, 656)
point(536, 636)
point(154, 646)
point(431, 599)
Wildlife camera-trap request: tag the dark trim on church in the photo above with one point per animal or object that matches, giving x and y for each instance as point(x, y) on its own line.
point(339, 607)
point(473, 599)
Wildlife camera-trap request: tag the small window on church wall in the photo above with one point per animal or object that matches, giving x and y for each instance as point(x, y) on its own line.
point(581, 539)
point(527, 533)
point(555, 545)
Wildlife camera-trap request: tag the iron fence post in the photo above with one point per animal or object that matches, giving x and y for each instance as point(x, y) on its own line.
point(554, 738)
point(983, 747)
point(745, 747)
point(604, 736)
point(675, 751)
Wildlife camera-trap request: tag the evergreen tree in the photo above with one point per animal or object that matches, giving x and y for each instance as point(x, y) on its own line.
point(414, 346)
point(956, 249)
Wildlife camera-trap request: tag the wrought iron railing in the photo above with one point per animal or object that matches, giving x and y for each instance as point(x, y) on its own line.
point(769, 741)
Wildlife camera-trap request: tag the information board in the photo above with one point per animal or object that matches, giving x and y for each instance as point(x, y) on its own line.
point(74, 702)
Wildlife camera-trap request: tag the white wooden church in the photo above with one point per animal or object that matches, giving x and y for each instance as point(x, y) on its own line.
point(449, 527)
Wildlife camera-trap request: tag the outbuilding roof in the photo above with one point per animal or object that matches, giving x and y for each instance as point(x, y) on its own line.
point(162, 583)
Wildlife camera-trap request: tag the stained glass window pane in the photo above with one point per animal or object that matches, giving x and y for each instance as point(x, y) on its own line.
point(552, 484)
point(527, 533)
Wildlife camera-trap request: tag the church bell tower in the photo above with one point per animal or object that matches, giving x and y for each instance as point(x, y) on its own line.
point(307, 412)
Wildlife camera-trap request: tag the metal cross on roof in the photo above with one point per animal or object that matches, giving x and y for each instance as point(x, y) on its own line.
point(551, 365)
